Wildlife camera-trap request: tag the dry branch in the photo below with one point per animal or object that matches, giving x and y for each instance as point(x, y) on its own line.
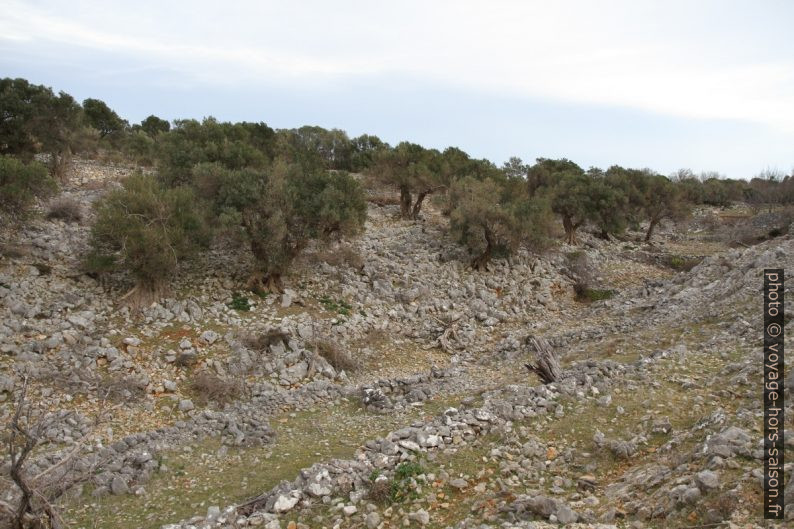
point(546, 365)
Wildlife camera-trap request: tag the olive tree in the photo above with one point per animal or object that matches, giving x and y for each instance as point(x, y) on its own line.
point(146, 230)
point(281, 208)
point(492, 218)
point(154, 125)
point(35, 120)
point(414, 171)
point(102, 118)
point(662, 200)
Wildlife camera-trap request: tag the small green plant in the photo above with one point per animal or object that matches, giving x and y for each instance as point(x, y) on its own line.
point(339, 306)
point(400, 487)
point(239, 302)
point(595, 294)
point(408, 469)
point(682, 264)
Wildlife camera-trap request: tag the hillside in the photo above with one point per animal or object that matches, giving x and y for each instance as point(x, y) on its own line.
point(386, 387)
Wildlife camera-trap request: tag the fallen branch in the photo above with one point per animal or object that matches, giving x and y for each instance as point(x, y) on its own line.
point(546, 365)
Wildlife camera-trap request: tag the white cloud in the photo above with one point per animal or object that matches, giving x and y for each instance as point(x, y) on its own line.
point(709, 60)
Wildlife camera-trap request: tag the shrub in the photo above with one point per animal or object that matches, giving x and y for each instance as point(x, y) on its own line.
point(683, 264)
point(239, 302)
point(261, 341)
point(209, 387)
point(380, 490)
point(145, 230)
point(402, 486)
point(280, 209)
point(65, 208)
point(593, 294)
point(339, 306)
point(335, 355)
point(492, 218)
point(20, 185)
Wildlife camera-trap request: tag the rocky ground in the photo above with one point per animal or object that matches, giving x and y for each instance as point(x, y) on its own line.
point(385, 387)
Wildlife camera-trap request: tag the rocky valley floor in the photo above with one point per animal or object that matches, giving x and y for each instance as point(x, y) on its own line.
point(386, 387)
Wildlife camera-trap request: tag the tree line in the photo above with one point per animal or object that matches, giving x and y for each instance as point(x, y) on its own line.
point(276, 190)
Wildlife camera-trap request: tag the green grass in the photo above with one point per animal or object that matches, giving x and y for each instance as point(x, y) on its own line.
point(595, 294)
point(199, 477)
point(339, 306)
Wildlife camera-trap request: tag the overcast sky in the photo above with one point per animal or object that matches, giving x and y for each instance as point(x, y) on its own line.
point(707, 85)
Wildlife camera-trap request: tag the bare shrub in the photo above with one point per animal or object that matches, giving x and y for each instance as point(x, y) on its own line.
point(118, 388)
point(209, 387)
point(335, 355)
point(113, 387)
point(380, 490)
point(66, 209)
point(34, 502)
point(260, 341)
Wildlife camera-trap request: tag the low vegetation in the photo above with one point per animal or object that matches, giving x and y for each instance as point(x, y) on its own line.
point(145, 229)
point(275, 191)
point(20, 184)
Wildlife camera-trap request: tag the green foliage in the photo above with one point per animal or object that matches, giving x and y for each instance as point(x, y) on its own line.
point(232, 145)
point(153, 126)
point(140, 146)
point(339, 306)
point(408, 469)
point(145, 229)
point(331, 149)
point(280, 208)
point(493, 218)
point(20, 184)
point(35, 120)
point(546, 173)
point(413, 170)
point(594, 294)
point(364, 150)
point(401, 487)
point(102, 118)
point(682, 263)
point(661, 200)
point(515, 168)
point(239, 302)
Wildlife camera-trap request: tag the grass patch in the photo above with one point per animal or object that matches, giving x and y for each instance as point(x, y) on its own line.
point(589, 295)
point(683, 264)
point(339, 306)
point(199, 476)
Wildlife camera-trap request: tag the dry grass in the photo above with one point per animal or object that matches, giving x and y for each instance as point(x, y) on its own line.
point(260, 341)
point(335, 355)
point(212, 388)
point(66, 209)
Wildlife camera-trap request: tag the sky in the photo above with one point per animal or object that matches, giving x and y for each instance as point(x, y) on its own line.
point(668, 84)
